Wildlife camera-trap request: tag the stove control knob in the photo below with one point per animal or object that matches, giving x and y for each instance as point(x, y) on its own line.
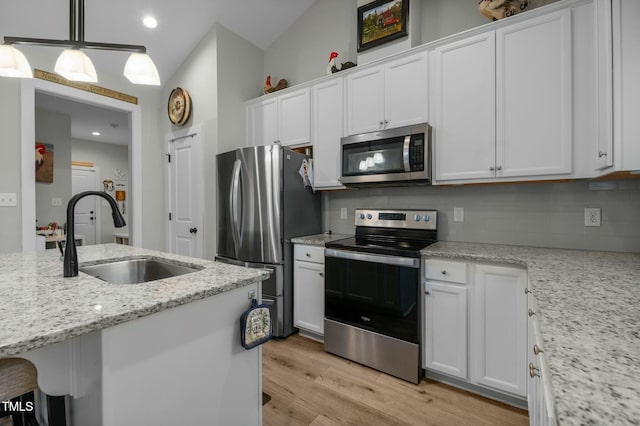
point(369, 216)
point(418, 217)
point(426, 218)
point(362, 216)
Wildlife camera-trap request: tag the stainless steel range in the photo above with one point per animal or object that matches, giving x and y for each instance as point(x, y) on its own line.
point(372, 281)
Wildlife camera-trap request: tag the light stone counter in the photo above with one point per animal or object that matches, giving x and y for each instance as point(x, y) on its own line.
point(588, 308)
point(319, 239)
point(39, 307)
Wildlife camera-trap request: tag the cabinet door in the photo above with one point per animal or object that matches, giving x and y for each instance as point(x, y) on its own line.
point(294, 118)
point(308, 296)
point(405, 88)
point(327, 131)
point(262, 122)
point(463, 109)
point(499, 329)
point(445, 343)
point(365, 100)
point(534, 97)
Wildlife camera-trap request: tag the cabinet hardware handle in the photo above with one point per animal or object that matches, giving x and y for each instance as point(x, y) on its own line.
point(444, 272)
point(531, 313)
point(533, 371)
point(537, 350)
point(321, 274)
point(308, 254)
point(426, 292)
point(386, 122)
point(499, 168)
point(527, 291)
point(492, 168)
point(601, 154)
point(380, 123)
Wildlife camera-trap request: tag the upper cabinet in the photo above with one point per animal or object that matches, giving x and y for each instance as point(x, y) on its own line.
point(388, 95)
point(328, 113)
point(502, 102)
point(284, 119)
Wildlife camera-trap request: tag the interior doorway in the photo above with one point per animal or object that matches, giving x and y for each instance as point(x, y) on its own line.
point(87, 211)
point(29, 89)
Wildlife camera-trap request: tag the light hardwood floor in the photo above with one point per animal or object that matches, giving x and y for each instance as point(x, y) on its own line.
point(311, 387)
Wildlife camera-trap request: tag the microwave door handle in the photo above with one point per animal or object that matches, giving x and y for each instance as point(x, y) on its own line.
point(405, 153)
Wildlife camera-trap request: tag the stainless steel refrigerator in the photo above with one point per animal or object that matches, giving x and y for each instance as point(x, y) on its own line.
point(262, 204)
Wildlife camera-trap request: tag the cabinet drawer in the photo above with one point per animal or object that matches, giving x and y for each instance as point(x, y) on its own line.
point(444, 270)
point(309, 253)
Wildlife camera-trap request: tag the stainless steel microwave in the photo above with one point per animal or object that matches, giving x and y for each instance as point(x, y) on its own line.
point(387, 157)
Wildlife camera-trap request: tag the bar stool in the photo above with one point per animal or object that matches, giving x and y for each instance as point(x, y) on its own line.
point(17, 377)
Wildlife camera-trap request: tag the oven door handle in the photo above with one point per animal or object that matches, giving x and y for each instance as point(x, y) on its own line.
point(374, 258)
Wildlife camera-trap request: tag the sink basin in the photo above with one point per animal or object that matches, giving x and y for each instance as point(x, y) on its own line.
point(135, 271)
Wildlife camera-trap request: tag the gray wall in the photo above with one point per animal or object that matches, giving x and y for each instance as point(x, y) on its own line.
point(106, 158)
point(530, 214)
point(54, 128)
point(222, 72)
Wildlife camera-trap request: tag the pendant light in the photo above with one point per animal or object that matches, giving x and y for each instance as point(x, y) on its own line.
point(73, 63)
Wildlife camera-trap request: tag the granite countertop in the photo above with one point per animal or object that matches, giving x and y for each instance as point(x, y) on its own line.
point(588, 308)
point(318, 239)
point(39, 307)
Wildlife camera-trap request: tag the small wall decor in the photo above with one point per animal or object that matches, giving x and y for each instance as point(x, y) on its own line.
point(267, 88)
point(44, 162)
point(179, 106)
point(381, 21)
point(108, 185)
point(498, 9)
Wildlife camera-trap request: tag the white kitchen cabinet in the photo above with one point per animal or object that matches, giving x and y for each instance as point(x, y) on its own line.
point(283, 119)
point(539, 390)
point(445, 347)
point(328, 112)
point(388, 95)
point(499, 328)
point(503, 102)
point(308, 290)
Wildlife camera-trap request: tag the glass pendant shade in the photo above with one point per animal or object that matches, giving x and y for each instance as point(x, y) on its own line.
point(75, 65)
point(140, 69)
point(13, 63)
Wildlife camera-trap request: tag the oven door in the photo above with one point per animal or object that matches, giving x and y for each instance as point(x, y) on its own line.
point(374, 292)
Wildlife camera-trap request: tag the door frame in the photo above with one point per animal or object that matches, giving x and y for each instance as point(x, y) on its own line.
point(28, 90)
point(97, 200)
point(169, 139)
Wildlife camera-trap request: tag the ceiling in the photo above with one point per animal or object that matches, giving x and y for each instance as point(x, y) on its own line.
point(181, 25)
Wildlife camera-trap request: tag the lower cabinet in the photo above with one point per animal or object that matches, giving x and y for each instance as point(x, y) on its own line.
point(308, 290)
point(475, 326)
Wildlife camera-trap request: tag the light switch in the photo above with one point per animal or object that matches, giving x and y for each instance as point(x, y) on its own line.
point(56, 201)
point(458, 214)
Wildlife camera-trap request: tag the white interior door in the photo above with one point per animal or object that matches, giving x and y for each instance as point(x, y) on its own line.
point(86, 211)
point(185, 196)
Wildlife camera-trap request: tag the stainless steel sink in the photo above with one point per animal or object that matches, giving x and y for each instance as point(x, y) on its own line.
point(135, 271)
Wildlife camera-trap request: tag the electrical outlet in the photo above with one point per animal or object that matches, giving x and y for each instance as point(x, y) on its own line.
point(458, 214)
point(592, 216)
point(8, 199)
point(343, 213)
point(56, 201)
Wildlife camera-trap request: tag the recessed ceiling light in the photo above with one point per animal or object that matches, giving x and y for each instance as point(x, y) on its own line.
point(95, 133)
point(149, 22)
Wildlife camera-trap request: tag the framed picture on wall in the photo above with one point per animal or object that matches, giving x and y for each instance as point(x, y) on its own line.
point(381, 21)
point(44, 162)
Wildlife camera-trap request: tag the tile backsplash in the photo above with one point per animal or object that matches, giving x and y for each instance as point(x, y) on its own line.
point(529, 214)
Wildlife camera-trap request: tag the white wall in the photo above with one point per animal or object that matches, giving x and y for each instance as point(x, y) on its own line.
point(55, 129)
point(106, 158)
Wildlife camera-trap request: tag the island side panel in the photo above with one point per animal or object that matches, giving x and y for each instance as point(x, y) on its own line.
point(184, 365)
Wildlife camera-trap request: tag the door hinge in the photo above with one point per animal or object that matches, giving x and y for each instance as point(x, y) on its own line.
point(169, 216)
point(168, 157)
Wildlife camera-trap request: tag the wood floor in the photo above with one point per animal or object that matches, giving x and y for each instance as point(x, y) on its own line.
point(311, 387)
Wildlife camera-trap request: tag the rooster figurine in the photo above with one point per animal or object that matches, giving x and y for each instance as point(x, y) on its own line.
point(331, 66)
point(282, 84)
point(40, 150)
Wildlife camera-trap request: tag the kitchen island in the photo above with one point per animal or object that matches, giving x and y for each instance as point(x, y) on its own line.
point(587, 309)
point(161, 352)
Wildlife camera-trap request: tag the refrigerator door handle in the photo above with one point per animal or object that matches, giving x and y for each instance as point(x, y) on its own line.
point(233, 205)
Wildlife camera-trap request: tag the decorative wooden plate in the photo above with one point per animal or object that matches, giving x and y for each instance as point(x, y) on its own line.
point(179, 106)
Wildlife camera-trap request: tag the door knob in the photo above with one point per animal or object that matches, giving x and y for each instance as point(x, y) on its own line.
point(193, 230)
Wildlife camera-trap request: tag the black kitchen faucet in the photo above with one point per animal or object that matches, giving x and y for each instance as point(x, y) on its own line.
point(70, 254)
